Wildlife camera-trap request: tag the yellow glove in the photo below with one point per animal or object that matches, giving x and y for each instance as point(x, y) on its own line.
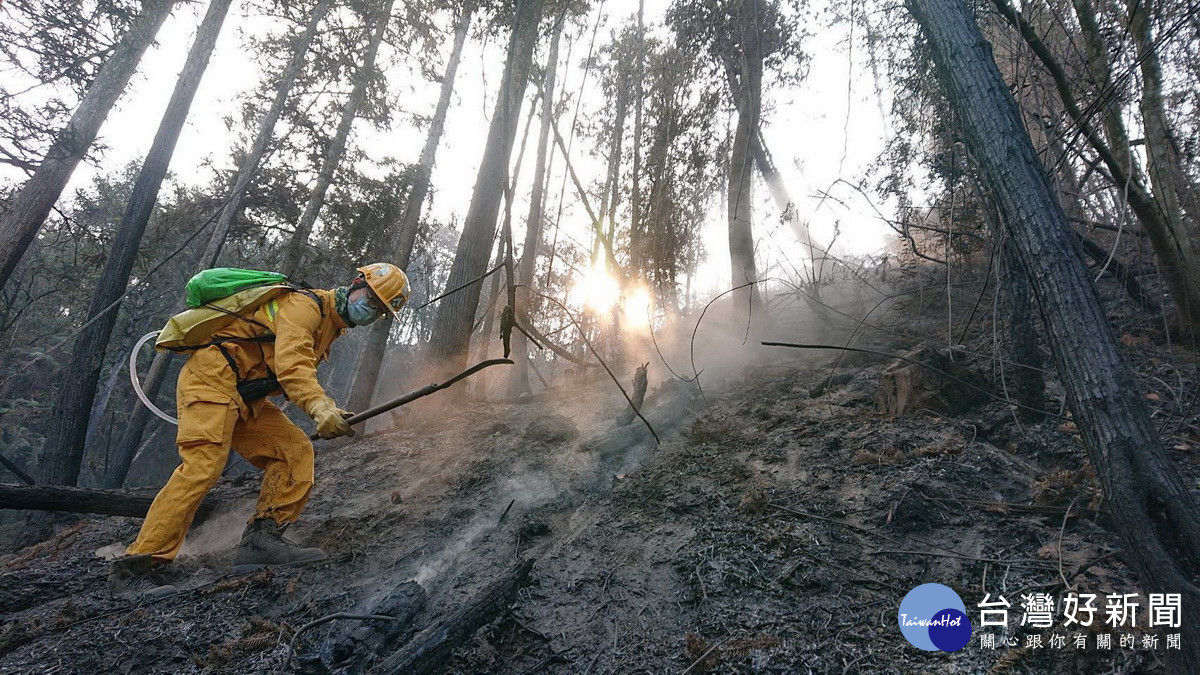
point(330, 419)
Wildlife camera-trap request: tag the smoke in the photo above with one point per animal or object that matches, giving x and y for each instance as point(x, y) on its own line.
point(445, 559)
point(111, 552)
point(219, 533)
point(525, 490)
point(553, 469)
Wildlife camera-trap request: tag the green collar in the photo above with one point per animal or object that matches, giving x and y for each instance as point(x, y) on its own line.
point(340, 302)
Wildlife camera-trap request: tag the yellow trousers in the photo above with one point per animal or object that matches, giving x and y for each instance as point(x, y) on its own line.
point(207, 431)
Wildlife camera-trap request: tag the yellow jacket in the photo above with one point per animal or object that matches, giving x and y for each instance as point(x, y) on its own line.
point(303, 333)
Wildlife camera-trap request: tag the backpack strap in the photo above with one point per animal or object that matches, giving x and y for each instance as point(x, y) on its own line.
point(301, 287)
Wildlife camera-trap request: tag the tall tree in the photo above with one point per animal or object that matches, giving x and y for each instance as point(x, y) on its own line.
point(744, 68)
point(20, 223)
point(64, 445)
point(456, 313)
point(1152, 510)
point(131, 436)
point(737, 42)
point(371, 358)
point(266, 129)
point(519, 381)
point(635, 177)
point(294, 254)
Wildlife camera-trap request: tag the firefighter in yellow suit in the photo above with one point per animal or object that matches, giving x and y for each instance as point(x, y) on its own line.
point(214, 417)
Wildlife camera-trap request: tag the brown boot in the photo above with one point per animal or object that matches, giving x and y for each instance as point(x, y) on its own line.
point(133, 576)
point(263, 544)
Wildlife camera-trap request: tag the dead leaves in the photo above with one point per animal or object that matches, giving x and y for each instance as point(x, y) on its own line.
point(259, 578)
point(1062, 487)
point(704, 656)
point(754, 502)
point(1129, 340)
point(257, 635)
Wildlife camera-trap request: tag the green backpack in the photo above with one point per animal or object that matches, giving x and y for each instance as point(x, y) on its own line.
point(219, 296)
point(222, 282)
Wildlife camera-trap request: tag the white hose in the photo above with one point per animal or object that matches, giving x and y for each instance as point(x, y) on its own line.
point(137, 386)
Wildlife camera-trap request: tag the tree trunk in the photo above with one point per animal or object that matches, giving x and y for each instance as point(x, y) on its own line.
point(1173, 190)
point(519, 381)
point(371, 359)
point(637, 259)
point(747, 91)
point(105, 389)
point(131, 437)
point(455, 315)
point(1152, 511)
point(266, 128)
point(65, 440)
point(126, 448)
point(32, 203)
point(612, 192)
point(353, 647)
point(294, 254)
point(1110, 113)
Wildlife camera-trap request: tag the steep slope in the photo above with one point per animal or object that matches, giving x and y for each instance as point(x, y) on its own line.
point(773, 532)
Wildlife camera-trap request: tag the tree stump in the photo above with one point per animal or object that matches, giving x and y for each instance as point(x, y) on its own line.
point(906, 387)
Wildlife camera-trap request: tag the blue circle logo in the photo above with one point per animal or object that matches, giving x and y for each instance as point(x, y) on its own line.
point(932, 617)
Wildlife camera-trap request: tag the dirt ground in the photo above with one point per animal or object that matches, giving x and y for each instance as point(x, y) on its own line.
point(774, 531)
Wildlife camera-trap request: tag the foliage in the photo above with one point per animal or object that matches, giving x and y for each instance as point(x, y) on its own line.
point(50, 54)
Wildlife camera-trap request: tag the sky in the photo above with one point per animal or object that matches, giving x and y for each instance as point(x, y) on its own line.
point(830, 127)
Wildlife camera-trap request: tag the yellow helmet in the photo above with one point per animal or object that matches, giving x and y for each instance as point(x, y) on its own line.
point(388, 282)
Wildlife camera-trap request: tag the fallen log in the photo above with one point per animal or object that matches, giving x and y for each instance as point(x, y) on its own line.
point(84, 500)
point(430, 648)
point(358, 643)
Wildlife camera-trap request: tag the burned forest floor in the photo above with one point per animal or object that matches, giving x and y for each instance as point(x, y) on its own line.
point(775, 528)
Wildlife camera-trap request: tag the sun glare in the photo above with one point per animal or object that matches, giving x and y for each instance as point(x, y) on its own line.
point(637, 307)
point(596, 289)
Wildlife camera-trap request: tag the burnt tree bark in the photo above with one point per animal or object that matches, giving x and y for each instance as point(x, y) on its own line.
point(294, 254)
point(456, 313)
point(359, 643)
point(371, 358)
point(1152, 511)
point(65, 440)
point(1028, 385)
point(29, 208)
point(430, 648)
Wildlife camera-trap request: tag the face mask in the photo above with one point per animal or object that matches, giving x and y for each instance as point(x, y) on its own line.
point(361, 312)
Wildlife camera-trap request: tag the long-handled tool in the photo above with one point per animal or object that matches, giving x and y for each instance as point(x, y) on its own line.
point(420, 393)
